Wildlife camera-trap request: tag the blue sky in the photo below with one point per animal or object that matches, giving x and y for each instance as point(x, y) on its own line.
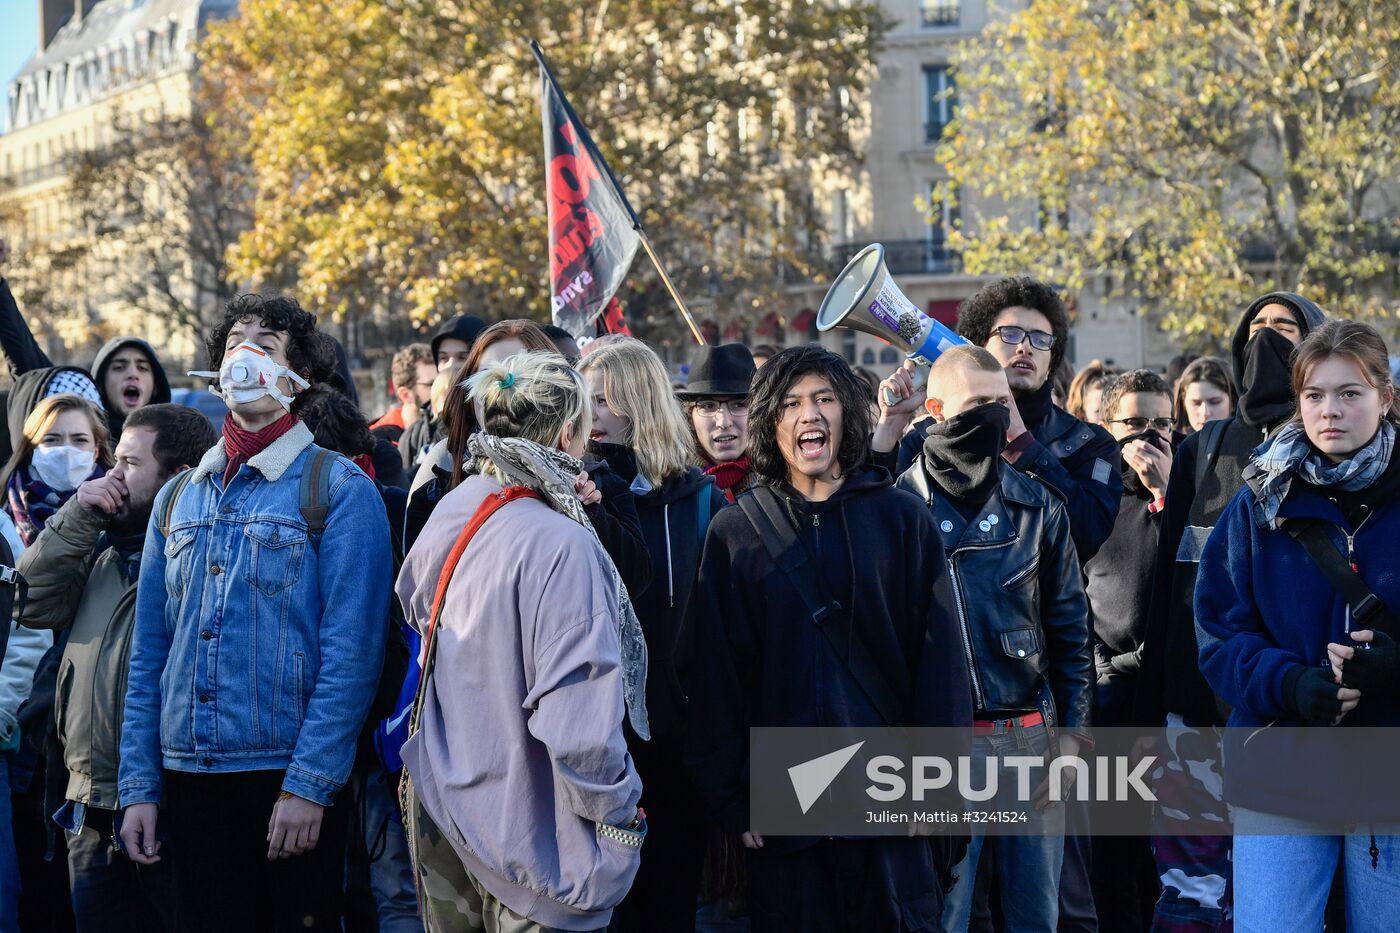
point(19, 37)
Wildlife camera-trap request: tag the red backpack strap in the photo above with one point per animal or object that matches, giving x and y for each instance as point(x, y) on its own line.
point(489, 506)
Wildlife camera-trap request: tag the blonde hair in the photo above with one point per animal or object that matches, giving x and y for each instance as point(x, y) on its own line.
point(637, 387)
point(532, 395)
point(41, 421)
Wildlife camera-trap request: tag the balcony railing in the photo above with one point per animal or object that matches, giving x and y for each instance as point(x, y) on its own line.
point(935, 13)
point(905, 257)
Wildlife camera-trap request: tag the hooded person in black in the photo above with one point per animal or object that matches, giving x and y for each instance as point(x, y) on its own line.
point(753, 655)
point(128, 375)
point(1207, 472)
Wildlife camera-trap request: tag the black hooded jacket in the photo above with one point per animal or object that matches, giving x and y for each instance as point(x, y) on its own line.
point(751, 655)
point(160, 393)
point(26, 392)
point(1171, 679)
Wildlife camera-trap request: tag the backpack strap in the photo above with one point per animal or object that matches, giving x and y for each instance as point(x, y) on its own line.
point(1368, 611)
point(168, 509)
point(314, 497)
point(1208, 449)
point(779, 535)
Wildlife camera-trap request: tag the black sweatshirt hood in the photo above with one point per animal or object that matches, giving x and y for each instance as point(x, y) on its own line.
point(1309, 315)
point(160, 392)
point(866, 479)
point(29, 390)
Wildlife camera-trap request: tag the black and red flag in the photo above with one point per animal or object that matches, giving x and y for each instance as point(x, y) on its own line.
point(592, 229)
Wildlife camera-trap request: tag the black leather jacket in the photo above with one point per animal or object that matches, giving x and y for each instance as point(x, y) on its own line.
point(1020, 598)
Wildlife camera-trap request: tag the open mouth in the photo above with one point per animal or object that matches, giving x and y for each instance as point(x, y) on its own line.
point(811, 445)
point(131, 395)
point(722, 439)
point(597, 435)
point(1023, 365)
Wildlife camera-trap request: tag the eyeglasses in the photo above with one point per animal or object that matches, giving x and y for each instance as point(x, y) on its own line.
point(710, 407)
point(1018, 335)
point(1140, 424)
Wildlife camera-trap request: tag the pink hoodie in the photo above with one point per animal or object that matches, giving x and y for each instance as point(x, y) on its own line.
point(520, 754)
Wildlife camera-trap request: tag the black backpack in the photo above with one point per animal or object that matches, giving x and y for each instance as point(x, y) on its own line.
point(314, 502)
point(13, 592)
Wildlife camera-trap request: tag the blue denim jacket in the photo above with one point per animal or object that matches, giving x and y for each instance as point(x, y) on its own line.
point(254, 648)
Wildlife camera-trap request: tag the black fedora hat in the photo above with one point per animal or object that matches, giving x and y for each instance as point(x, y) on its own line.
point(724, 370)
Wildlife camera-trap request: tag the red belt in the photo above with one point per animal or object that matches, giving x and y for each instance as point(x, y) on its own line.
point(988, 726)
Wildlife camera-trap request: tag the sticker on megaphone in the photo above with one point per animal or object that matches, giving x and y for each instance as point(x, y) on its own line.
point(865, 297)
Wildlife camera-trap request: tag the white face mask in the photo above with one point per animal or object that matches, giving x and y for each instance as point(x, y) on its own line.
point(62, 468)
point(247, 374)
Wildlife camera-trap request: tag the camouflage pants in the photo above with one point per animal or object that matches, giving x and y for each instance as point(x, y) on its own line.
point(1194, 868)
point(452, 900)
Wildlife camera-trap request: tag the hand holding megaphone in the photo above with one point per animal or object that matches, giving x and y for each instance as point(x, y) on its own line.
point(903, 392)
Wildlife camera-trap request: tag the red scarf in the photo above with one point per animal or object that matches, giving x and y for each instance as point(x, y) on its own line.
point(241, 445)
point(729, 474)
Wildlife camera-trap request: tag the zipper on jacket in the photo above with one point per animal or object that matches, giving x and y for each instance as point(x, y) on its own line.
point(966, 636)
point(1351, 557)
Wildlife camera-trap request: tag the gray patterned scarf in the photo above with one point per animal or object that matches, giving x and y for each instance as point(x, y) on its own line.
point(551, 472)
point(1287, 454)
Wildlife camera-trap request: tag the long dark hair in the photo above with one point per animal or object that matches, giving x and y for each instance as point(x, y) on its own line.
point(776, 378)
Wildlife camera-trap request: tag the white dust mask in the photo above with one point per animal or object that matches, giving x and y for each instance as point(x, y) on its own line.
point(62, 468)
point(247, 374)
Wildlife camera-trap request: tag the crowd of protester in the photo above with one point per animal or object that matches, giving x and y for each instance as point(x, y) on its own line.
point(490, 661)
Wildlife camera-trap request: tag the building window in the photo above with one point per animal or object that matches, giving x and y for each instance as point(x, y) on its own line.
point(940, 100)
point(941, 13)
point(867, 357)
point(940, 221)
point(848, 345)
point(889, 356)
point(842, 219)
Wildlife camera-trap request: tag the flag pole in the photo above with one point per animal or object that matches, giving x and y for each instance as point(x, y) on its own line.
point(670, 286)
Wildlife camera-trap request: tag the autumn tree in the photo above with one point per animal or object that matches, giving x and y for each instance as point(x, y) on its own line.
point(1186, 154)
point(398, 156)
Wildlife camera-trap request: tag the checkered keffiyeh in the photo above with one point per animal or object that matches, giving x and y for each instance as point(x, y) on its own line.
point(1289, 453)
point(76, 383)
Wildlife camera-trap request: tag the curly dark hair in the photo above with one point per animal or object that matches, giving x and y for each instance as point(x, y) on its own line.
point(335, 422)
point(1134, 380)
point(978, 314)
point(776, 378)
point(310, 353)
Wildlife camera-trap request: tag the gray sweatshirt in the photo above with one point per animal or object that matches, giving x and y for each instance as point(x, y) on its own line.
point(520, 755)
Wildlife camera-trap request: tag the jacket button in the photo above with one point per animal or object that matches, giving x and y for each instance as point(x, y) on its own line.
point(1020, 652)
point(945, 526)
point(204, 698)
point(216, 570)
point(207, 762)
point(985, 526)
point(206, 634)
point(992, 519)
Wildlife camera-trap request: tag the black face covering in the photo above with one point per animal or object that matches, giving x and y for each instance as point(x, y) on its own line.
point(1132, 483)
point(1268, 380)
point(962, 453)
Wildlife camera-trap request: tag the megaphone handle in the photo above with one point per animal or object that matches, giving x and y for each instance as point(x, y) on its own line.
point(920, 377)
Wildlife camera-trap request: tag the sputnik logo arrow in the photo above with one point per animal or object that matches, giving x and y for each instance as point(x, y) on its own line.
point(811, 778)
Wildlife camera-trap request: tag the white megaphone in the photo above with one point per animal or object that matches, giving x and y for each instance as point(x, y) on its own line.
point(865, 298)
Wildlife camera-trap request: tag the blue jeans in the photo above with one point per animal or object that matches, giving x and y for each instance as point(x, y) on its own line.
point(390, 869)
point(1282, 881)
point(1027, 866)
point(9, 858)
